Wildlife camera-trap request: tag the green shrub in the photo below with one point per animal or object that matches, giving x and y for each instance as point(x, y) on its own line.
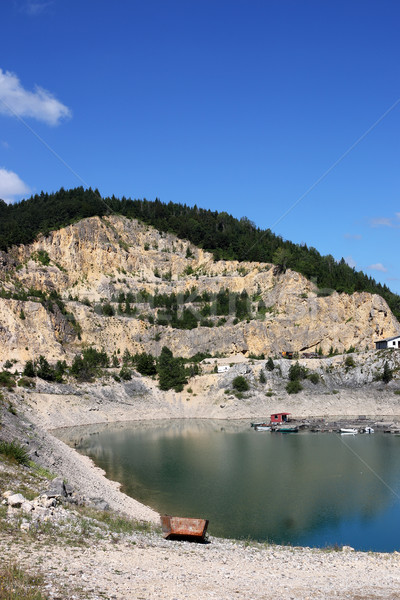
point(29, 369)
point(294, 386)
point(15, 451)
point(88, 365)
point(262, 378)
point(240, 384)
point(171, 371)
point(349, 362)
point(125, 373)
point(387, 374)
point(314, 378)
point(269, 365)
point(297, 372)
point(108, 310)
point(7, 380)
point(42, 257)
point(25, 382)
point(145, 364)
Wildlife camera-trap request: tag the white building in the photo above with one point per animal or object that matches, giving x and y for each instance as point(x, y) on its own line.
point(393, 342)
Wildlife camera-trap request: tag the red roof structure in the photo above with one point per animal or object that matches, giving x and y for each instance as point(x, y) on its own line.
point(280, 418)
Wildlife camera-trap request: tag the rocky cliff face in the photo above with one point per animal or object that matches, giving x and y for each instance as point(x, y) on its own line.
point(100, 260)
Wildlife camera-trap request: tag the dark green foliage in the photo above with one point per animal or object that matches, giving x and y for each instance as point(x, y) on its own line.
point(41, 368)
point(199, 356)
point(262, 378)
point(145, 364)
point(293, 387)
point(314, 378)
point(7, 380)
point(387, 374)
point(29, 369)
point(15, 451)
point(8, 364)
point(88, 365)
point(171, 371)
point(243, 306)
point(42, 257)
point(297, 372)
point(108, 310)
point(269, 365)
point(349, 362)
point(240, 384)
point(125, 373)
point(22, 315)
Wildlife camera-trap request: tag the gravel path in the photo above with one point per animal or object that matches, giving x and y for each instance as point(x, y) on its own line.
point(152, 569)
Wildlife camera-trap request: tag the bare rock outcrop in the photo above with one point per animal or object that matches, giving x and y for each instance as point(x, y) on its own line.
point(97, 260)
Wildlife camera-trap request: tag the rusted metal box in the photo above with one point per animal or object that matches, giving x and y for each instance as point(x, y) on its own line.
point(183, 527)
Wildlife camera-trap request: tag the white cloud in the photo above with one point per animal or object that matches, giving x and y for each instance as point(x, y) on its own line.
point(350, 261)
point(377, 267)
point(5, 144)
point(381, 222)
point(39, 104)
point(36, 7)
point(353, 236)
point(11, 185)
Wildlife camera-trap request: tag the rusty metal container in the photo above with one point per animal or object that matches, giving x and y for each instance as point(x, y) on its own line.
point(183, 527)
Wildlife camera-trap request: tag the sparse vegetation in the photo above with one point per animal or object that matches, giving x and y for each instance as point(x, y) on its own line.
point(15, 451)
point(294, 386)
point(240, 384)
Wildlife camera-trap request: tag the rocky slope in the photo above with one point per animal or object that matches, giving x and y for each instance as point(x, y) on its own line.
point(91, 263)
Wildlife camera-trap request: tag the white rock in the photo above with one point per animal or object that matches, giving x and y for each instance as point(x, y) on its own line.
point(25, 526)
point(27, 507)
point(16, 500)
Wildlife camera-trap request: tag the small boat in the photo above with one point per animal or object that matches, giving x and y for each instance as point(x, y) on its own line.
point(262, 427)
point(369, 430)
point(183, 527)
point(285, 429)
point(348, 431)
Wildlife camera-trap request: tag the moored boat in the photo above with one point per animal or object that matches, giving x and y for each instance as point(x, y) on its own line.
point(348, 431)
point(262, 427)
point(286, 429)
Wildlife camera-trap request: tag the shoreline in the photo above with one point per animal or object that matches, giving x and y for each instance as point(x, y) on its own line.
point(152, 567)
point(56, 408)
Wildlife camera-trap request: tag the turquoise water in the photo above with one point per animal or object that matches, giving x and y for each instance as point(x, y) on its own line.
point(301, 489)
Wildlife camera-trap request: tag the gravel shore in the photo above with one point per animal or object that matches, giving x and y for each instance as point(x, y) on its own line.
point(146, 566)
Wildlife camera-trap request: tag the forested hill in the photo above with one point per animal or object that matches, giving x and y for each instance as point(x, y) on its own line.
point(223, 235)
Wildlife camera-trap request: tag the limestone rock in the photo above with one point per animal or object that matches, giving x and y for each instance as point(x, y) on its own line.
point(99, 258)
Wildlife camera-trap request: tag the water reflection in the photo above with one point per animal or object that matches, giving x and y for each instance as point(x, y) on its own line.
point(305, 488)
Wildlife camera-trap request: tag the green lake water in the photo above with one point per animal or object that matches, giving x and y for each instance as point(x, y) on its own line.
point(301, 489)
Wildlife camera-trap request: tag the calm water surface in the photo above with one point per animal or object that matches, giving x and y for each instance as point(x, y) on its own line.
point(303, 489)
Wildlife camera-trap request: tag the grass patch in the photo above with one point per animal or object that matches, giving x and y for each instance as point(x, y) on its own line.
point(16, 584)
point(15, 451)
point(116, 523)
point(41, 471)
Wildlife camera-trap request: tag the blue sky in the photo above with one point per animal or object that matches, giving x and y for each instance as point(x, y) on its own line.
point(234, 105)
